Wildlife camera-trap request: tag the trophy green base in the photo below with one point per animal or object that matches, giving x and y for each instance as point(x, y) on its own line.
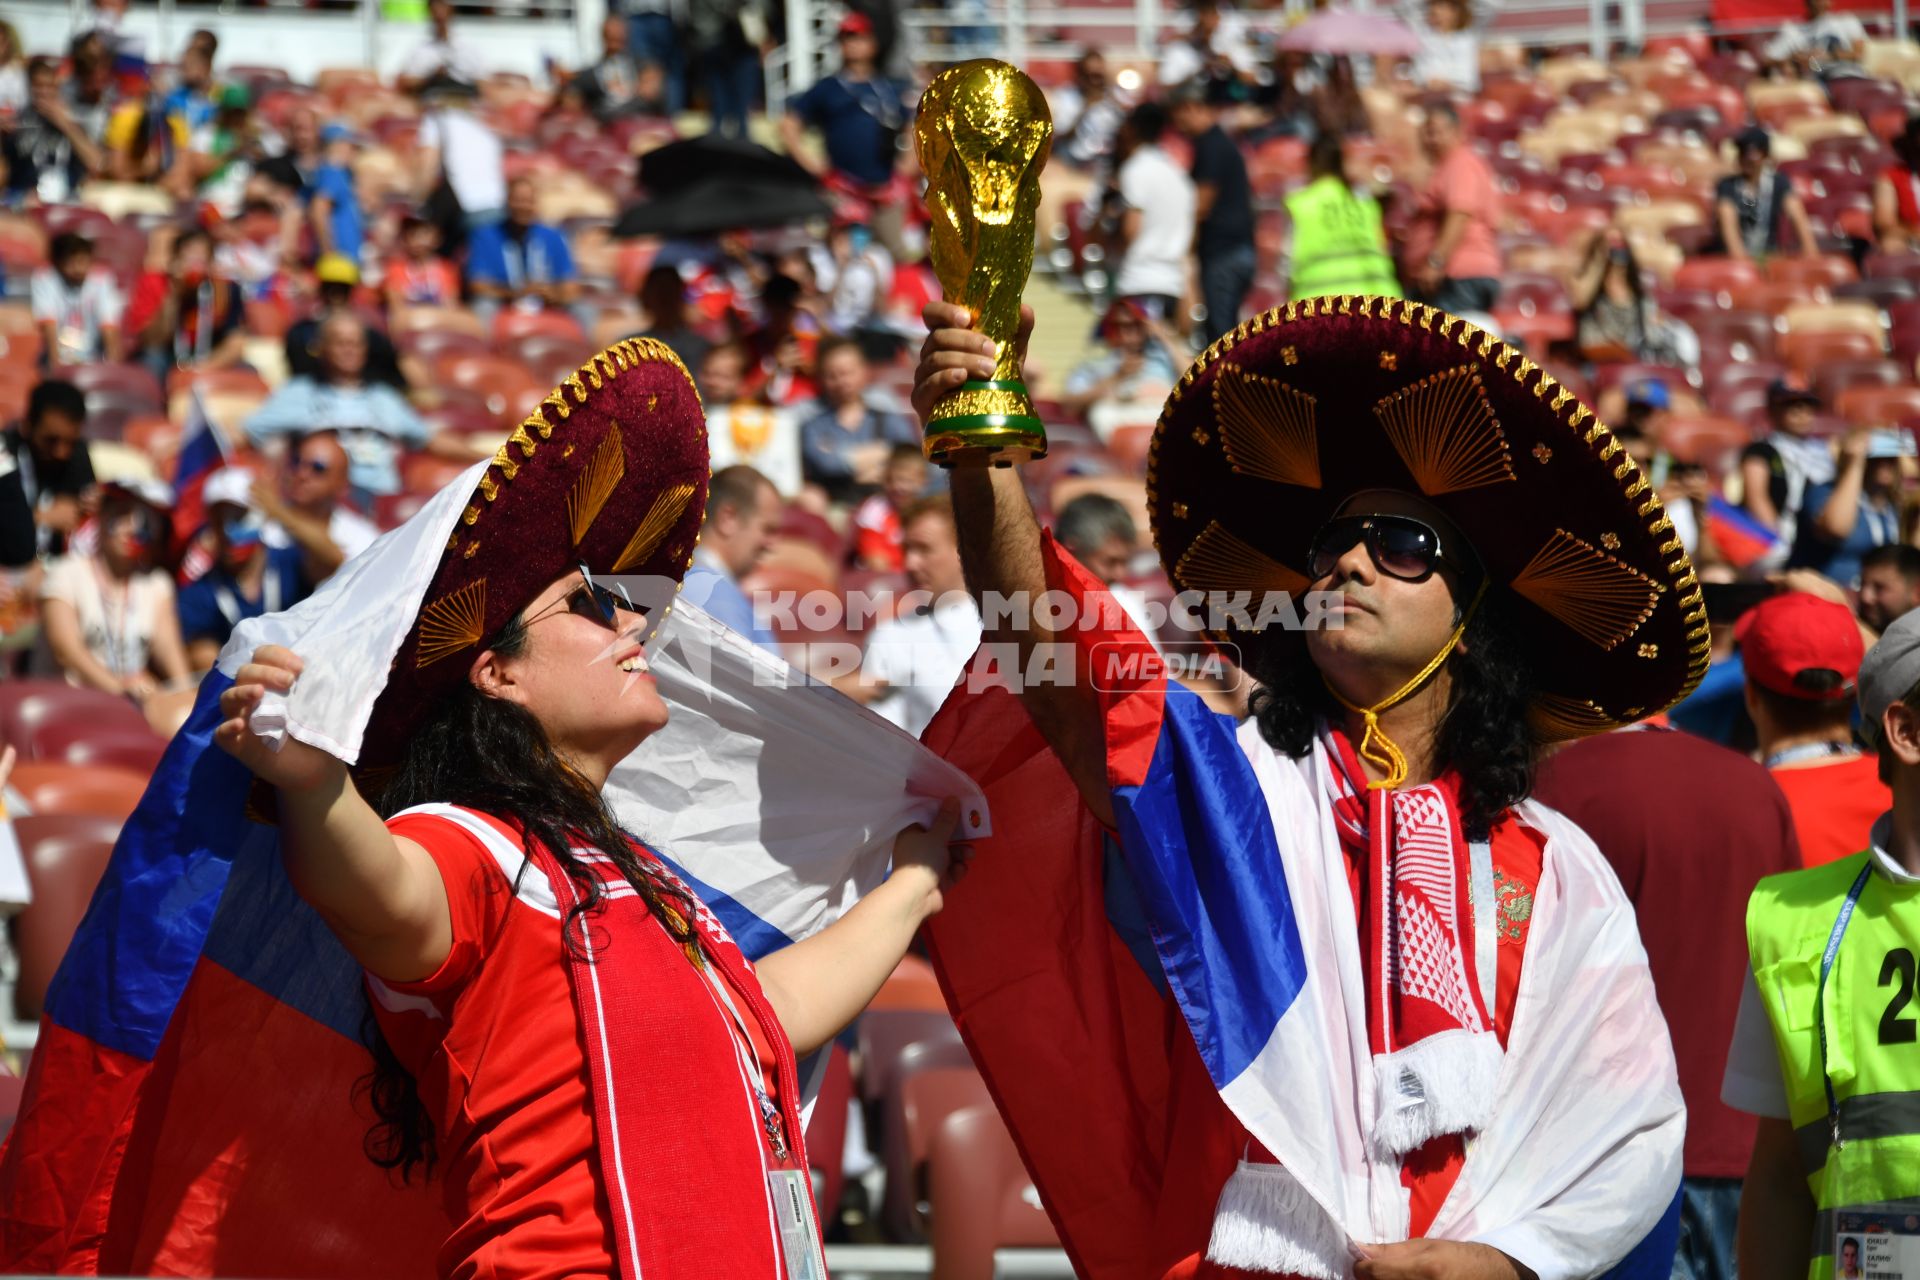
point(985, 424)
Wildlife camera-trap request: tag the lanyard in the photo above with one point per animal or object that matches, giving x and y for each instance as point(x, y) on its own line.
point(1820, 993)
point(749, 1062)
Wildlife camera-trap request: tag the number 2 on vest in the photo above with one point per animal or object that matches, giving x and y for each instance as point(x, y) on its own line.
point(1898, 966)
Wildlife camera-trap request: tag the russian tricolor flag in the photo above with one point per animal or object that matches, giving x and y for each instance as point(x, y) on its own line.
point(1743, 540)
point(204, 449)
point(190, 1108)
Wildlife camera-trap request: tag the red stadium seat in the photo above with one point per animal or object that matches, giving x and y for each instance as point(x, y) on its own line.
point(66, 854)
point(131, 382)
point(1872, 405)
point(502, 383)
point(1813, 272)
point(1881, 293)
point(981, 1196)
point(915, 1109)
point(1807, 352)
point(884, 1036)
point(27, 707)
point(51, 787)
point(911, 985)
point(1832, 378)
point(1750, 331)
point(1776, 298)
point(1892, 266)
point(432, 344)
point(827, 1132)
point(84, 745)
point(1723, 276)
point(512, 325)
point(1707, 440)
point(422, 473)
point(392, 510)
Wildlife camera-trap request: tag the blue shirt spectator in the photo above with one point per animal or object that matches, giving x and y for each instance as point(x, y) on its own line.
point(845, 443)
point(216, 602)
point(373, 422)
point(333, 182)
point(858, 111)
point(515, 257)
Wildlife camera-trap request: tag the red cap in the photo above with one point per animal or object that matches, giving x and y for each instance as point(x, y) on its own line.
point(1787, 634)
point(855, 24)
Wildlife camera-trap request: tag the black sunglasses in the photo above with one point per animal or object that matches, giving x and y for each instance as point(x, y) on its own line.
point(594, 602)
point(1400, 546)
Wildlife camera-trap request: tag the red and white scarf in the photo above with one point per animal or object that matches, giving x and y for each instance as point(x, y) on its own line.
point(1435, 1052)
point(683, 1145)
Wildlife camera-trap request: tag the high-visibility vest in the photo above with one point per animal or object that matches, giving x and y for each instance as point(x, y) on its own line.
point(1868, 1184)
point(1339, 245)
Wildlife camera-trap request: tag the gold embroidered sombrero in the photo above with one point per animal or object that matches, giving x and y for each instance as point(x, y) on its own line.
point(610, 472)
point(1285, 418)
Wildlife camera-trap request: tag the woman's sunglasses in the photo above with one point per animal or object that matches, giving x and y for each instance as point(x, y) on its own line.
point(1400, 546)
point(595, 602)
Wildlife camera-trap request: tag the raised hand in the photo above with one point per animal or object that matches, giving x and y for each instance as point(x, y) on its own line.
point(953, 353)
point(295, 766)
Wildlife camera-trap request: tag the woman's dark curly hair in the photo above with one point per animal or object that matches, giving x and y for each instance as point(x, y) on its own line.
point(1486, 736)
point(489, 754)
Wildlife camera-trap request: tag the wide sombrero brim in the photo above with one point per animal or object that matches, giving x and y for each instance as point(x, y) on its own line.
point(610, 471)
point(1282, 420)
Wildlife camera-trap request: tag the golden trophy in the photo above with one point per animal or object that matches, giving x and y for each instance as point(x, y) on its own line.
point(983, 134)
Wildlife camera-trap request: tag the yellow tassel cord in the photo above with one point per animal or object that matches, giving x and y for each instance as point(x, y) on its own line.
point(1375, 746)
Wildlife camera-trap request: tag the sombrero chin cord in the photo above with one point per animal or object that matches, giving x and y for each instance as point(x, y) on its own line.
point(1376, 746)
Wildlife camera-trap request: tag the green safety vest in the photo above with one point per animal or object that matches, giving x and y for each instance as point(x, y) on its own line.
point(1869, 1184)
point(1338, 243)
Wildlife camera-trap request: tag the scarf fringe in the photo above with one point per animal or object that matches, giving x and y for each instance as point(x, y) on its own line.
point(1440, 1085)
point(1266, 1221)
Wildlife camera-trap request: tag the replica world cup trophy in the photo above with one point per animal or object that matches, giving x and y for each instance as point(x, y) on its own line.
point(983, 134)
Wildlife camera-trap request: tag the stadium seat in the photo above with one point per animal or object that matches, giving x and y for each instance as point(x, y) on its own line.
point(131, 382)
point(1708, 440)
point(28, 706)
point(512, 325)
point(915, 1107)
point(1776, 298)
point(827, 1133)
point(1877, 405)
point(65, 856)
point(1822, 272)
point(53, 787)
point(1832, 378)
point(1807, 352)
point(12, 1089)
point(453, 319)
point(432, 344)
point(883, 1036)
point(502, 383)
point(1130, 444)
point(1880, 293)
point(911, 985)
point(981, 1196)
point(1750, 330)
point(1723, 276)
point(137, 752)
point(424, 474)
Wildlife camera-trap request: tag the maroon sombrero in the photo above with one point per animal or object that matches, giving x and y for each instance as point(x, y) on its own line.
point(610, 471)
point(1294, 412)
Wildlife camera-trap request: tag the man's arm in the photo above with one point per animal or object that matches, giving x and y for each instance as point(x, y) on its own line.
point(1776, 1209)
point(1729, 220)
point(1802, 225)
point(1000, 550)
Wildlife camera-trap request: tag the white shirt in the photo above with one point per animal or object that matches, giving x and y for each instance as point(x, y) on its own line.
point(118, 626)
point(1156, 258)
point(765, 438)
point(921, 655)
point(1831, 34)
point(453, 55)
point(1448, 58)
point(350, 531)
point(78, 315)
point(471, 155)
point(1753, 1082)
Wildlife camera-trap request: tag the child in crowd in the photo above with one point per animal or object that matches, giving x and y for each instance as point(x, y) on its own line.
point(419, 276)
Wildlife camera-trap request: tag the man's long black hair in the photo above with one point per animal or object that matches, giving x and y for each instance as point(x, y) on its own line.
point(489, 754)
point(1485, 735)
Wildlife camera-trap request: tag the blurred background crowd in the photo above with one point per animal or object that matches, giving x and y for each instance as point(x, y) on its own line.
point(255, 314)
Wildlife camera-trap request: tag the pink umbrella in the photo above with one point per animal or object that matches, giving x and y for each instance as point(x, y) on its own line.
point(1339, 31)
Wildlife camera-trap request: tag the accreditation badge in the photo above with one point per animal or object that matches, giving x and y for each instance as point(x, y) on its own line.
point(1877, 1242)
point(799, 1234)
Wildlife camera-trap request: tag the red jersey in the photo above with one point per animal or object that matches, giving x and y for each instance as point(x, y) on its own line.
point(498, 1052)
point(878, 539)
point(1834, 803)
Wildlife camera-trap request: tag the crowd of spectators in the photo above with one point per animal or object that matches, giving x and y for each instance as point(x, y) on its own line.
point(361, 286)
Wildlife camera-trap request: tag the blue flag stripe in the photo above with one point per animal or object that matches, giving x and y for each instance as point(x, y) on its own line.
point(1200, 842)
